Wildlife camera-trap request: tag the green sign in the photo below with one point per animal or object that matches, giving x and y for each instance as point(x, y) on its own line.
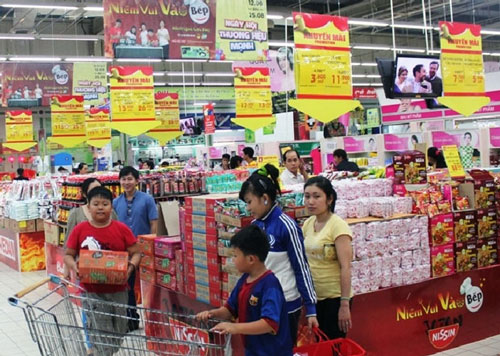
point(303, 148)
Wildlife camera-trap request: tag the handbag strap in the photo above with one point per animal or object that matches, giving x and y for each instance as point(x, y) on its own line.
point(320, 334)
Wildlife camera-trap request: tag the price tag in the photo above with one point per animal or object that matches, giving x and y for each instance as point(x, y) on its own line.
point(452, 158)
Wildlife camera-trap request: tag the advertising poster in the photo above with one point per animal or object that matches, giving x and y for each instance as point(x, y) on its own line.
point(9, 253)
point(32, 251)
point(464, 138)
point(98, 127)
point(241, 30)
point(33, 84)
point(68, 120)
point(209, 118)
point(19, 130)
point(132, 99)
point(401, 143)
point(359, 144)
point(168, 29)
point(90, 80)
point(167, 112)
point(452, 157)
point(253, 97)
point(495, 136)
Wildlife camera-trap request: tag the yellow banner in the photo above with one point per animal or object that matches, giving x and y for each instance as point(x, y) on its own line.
point(19, 130)
point(263, 160)
point(167, 113)
point(253, 97)
point(98, 127)
point(132, 99)
point(90, 80)
point(452, 158)
point(68, 120)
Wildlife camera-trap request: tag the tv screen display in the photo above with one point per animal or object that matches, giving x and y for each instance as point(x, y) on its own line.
point(386, 71)
point(417, 77)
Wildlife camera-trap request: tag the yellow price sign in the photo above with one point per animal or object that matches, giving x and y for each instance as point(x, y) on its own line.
point(452, 158)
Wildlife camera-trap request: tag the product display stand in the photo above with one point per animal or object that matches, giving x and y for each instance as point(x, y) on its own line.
point(22, 245)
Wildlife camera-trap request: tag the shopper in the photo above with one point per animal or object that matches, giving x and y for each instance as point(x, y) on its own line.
point(236, 162)
point(82, 213)
point(248, 159)
point(295, 172)
point(329, 252)
point(225, 165)
point(20, 174)
point(287, 258)
point(342, 163)
point(436, 158)
point(149, 165)
point(257, 300)
point(83, 168)
point(102, 233)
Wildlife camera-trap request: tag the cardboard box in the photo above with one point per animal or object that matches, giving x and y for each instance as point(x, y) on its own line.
point(487, 252)
point(465, 256)
point(227, 265)
point(166, 280)
point(201, 224)
point(20, 226)
point(441, 229)
point(147, 274)
point(166, 246)
point(224, 249)
point(191, 290)
point(203, 276)
point(202, 259)
point(443, 260)
point(51, 233)
point(180, 271)
point(206, 242)
point(147, 261)
point(484, 189)
point(410, 168)
point(165, 265)
point(487, 223)
point(206, 295)
point(234, 221)
point(168, 218)
point(465, 225)
point(103, 267)
point(147, 244)
point(40, 225)
point(203, 205)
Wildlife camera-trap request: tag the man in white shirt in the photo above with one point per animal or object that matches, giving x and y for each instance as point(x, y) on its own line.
point(163, 39)
point(295, 172)
point(418, 84)
point(144, 35)
point(224, 166)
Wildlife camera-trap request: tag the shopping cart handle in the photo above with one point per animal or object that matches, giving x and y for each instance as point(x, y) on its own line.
point(51, 278)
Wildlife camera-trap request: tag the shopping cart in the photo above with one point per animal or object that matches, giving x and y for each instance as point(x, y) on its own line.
point(72, 325)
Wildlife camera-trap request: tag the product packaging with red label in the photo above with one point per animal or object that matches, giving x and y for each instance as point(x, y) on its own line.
point(441, 229)
point(465, 223)
point(166, 246)
point(487, 223)
point(205, 242)
point(487, 253)
point(201, 224)
point(166, 280)
point(465, 256)
point(165, 264)
point(484, 189)
point(103, 267)
point(203, 205)
point(415, 171)
point(147, 244)
point(147, 274)
point(203, 259)
point(443, 260)
point(148, 261)
point(207, 295)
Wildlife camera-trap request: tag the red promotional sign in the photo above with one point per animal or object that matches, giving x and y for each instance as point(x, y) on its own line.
point(168, 29)
point(208, 114)
point(364, 93)
point(433, 315)
point(37, 82)
point(9, 249)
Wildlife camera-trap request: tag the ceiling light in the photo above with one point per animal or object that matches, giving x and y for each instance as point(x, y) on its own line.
point(367, 84)
point(208, 84)
point(184, 84)
point(359, 75)
point(412, 26)
point(434, 51)
point(493, 54)
point(43, 7)
point(355, 64)
point(70, 38)
point(219, 74)
point(368, 23)
point(415, 50)
point(2, 59)
point(184, 60)
point(274, 17)
point(8, 36)
point(145, 60)
point(35, 59)
point(93, 8)
point(369, 64)
point(373, 76)
point(185, 74)
point(158, 74)
point(88, 59)
point(289, 18)
point(160, 84)
point(375, 48)
point(281, 44)
point(490, 32)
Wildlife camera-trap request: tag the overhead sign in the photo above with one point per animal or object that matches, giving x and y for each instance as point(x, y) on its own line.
point(453, 161)
point(167, 113)
point(68, 120)
point(19, 130)
point(98, 127)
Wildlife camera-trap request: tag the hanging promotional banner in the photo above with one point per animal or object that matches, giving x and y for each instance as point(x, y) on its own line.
point(132, 99)
point(167, 112)
point(98, 127)
point(462, 67)
point(322, 66)
point(33, 84)
point(241, 30)
point(253, 97)
point(209, 118)
point(452, 158)
point(90, 80)
point(167, 29)
point(19, 130)
point(68, 120)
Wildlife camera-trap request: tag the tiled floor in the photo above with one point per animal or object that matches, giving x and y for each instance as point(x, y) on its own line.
point(15, 339)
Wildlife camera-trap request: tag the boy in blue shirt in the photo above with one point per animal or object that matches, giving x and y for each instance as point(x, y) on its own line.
point(257, 300)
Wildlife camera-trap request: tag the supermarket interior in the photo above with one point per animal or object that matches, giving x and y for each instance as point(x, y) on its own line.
point(146, 146)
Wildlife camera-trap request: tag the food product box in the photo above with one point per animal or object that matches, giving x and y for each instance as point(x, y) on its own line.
point(465, 225)
point(487, 223)
point(103, 267)
point(51, 232)
point(165, 264)
point(203, 205)
point(204, 276)
point(147, 244)
point(441, 229)
point(180, 271)
point(399, 169)
point(484, 189)
point(224, 248)
point(166, 280)
point(465, 256)
point(147, 261)
point(415, 170)
point(238, 221)
point(487, 252)
point(203, 259)
point(147, 274)
point(201, 224)
point(208, 295)
point(206, 242)
point(230, 279)
point(227, 265)
point(191, 290)
point(442, 260)
point(20, 226)
point(166, 246)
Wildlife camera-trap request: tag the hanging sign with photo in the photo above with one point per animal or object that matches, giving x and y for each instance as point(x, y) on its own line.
point(68, 120)
point(19, 130)
point(98, 127)
point(167, 113)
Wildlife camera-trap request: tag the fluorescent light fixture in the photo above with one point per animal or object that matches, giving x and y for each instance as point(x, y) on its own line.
point(143, 60)
point(93, 8)
point(70, 38)
point(185, 74)
point(412, 26)
point(219, 74)
point(414, 50)
point(9, 36)
point(160, 84)
point(87, 59)
point(355, 64)
point(367, 84)
point(368, 64)
point(184, 60)
point(493, 54)
point(2, 59)
point(42, 7)
point(490, 32)
point(376, 84)
point(209, 84)
point(434, 51)
point(274, 17)
point(35, 59)
point(289, 18)
point(359, 75)
point(373, 76)
point(375, 48)
point(372, 23)
point(281, 44)
point(181, 84)
point(158, 74)
point(202, 104)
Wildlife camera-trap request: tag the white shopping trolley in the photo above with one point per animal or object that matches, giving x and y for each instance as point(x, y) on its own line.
point(67, 324)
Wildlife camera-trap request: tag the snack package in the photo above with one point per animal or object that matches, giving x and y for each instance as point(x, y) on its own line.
point(441, 228)
point(487, 223)
point(465, 256)
point(443, 260)
point(415, 171)
point(103, 267)
point(487, 253)
point(465, 223)
point(484, 189)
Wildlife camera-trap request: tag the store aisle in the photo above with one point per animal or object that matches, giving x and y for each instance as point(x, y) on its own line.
point(15, 339)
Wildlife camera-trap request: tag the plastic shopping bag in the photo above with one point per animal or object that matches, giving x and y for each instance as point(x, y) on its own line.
point(326, 347)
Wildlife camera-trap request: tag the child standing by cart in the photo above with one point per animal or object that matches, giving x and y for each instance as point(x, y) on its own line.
point(103, 233)
point(257, 300)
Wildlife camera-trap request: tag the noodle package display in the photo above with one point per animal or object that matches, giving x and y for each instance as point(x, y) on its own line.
point(487, 223)
point(487, 253)
point(441, 228)
point(465, 256)
point(465, 223)
point(443, 260)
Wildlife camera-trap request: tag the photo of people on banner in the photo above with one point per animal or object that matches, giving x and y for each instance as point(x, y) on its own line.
point(159, 29)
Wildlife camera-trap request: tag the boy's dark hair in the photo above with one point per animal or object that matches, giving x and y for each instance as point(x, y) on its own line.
point(326, 186)
point(248, 151)
point(226, 156)
point(86, 183)
point(125, 171)
point(251, 240)
point(81, 165)
point(340, 153)
point(262, 181)
point(287, 152)
point(20, 172)
point(100, 192)
point(235, 162)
